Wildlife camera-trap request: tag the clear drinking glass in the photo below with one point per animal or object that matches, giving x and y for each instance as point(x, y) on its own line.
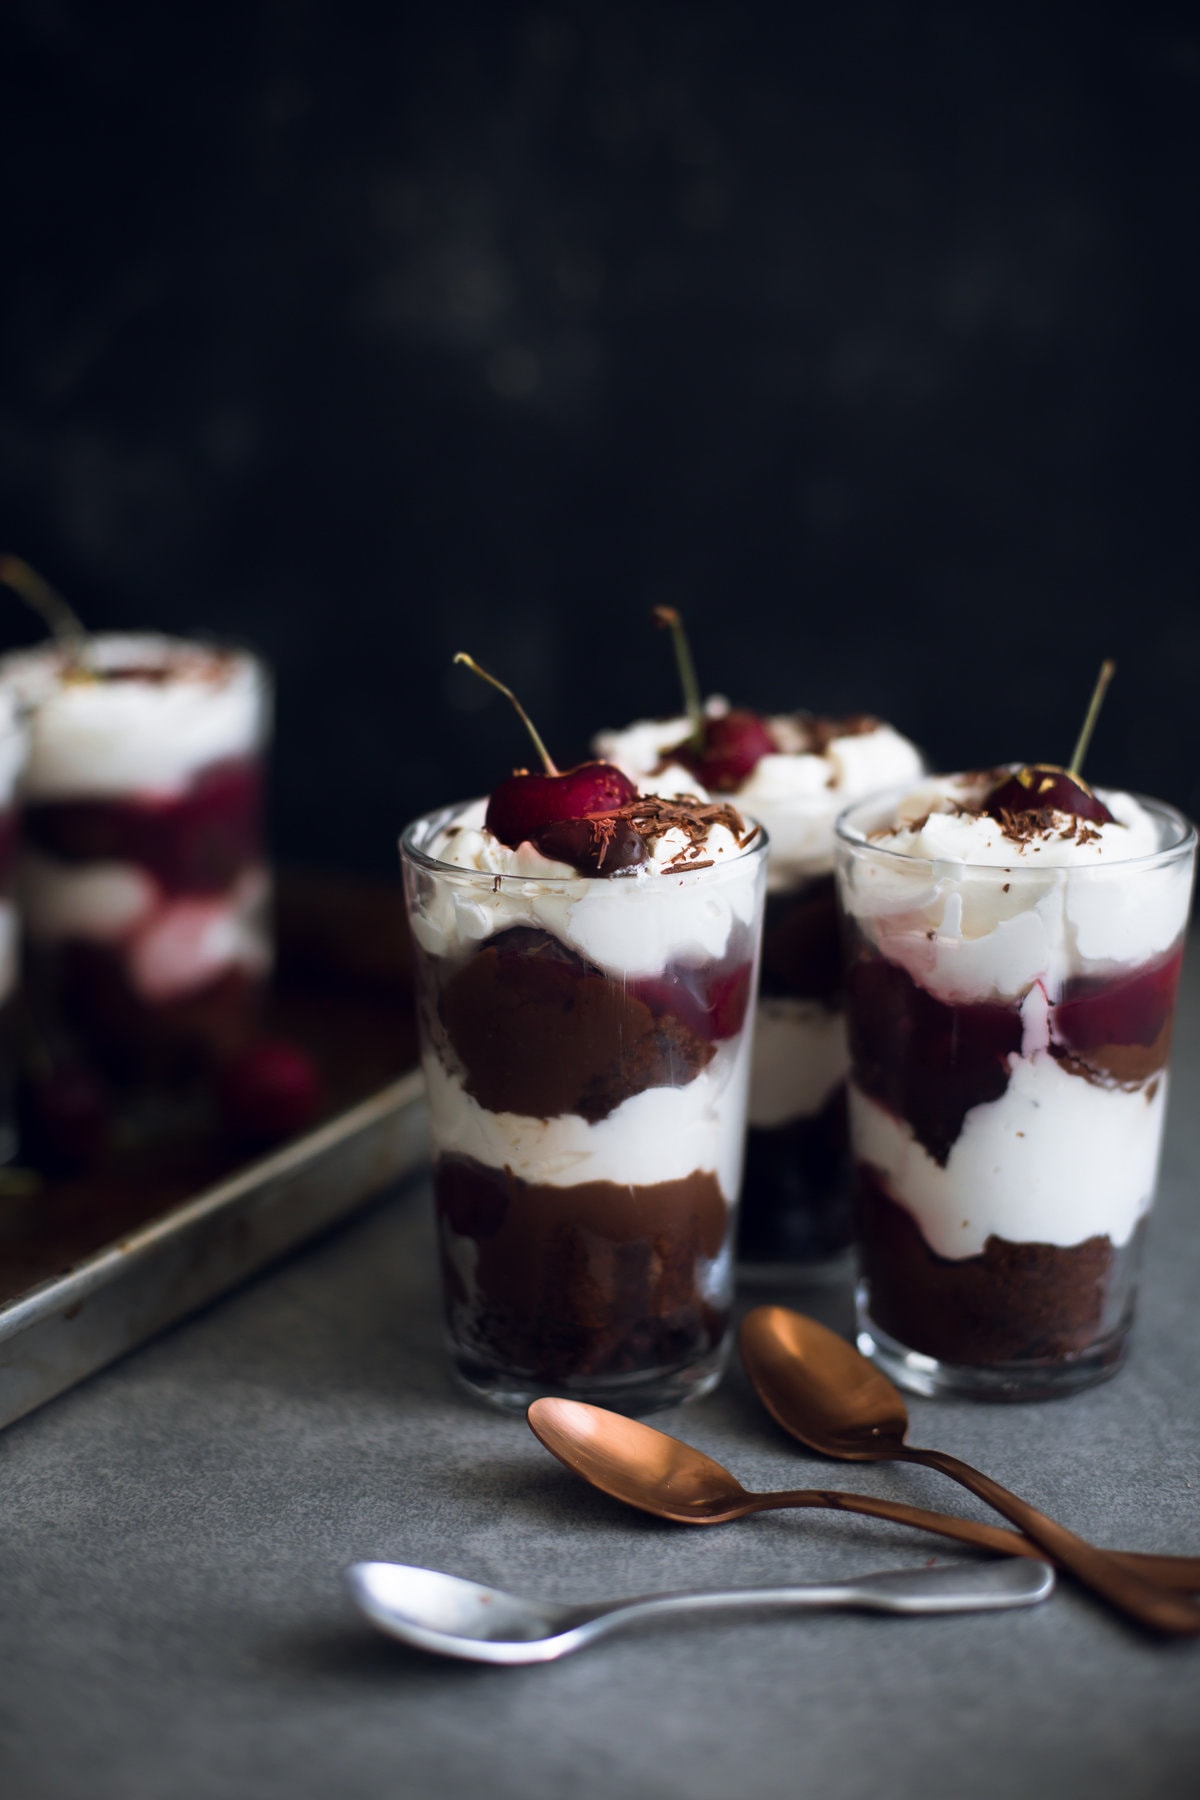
point(586, 1047)
point(143, 872)
point(1009, 1032)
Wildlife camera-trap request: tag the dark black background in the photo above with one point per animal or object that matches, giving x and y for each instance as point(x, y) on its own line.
point(865, 334)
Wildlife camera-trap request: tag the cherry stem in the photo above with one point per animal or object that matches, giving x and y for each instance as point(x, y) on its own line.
point(694, 706)
point(1108, 669)
point(61, 620)
point(547, 761)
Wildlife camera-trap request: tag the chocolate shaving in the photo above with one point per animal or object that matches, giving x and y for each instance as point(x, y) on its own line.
point(617, 842)
point(820, 730)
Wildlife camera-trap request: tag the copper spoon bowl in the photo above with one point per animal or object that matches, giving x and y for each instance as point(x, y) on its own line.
point(824, 1392)
point(660, 1475)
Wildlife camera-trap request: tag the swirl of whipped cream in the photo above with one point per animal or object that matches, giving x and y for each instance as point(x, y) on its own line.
point(664, 911)
point(145, 715)
point(797, 792)
point(974, 909)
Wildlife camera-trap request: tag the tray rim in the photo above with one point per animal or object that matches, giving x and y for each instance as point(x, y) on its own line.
point(124, 1254)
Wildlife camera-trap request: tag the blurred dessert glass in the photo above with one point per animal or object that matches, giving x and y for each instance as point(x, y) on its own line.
point(142, 874)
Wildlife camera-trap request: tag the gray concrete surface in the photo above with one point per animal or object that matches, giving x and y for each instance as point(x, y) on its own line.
point(172, 1534)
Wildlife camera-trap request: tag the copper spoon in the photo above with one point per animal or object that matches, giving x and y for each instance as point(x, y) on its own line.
point(823, 1391)
point(660, 1475)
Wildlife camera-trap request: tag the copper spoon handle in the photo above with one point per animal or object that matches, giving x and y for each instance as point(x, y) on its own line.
point(1129, 1592)
point(1180, 1572)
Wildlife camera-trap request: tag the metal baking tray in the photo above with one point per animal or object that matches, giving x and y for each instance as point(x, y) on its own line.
point(92, 1268)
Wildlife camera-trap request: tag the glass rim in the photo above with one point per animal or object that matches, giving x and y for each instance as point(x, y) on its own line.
point(16, 658)
point(847, 832)
point(410, 851)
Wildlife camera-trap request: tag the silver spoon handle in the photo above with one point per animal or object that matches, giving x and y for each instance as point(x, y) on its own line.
point(960, 1587)
point(1120, 1586)
point(1182, 1572)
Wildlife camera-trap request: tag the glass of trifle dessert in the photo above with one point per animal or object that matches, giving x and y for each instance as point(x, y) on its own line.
point(794, 772)
point(142, 871)
point(586, 958)
point(1014, 943)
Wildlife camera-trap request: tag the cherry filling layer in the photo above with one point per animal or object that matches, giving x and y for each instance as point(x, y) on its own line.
point(538, 1030)
point(194, 842)
point(572, 1284)
point(172, 979)
point(930, 1061)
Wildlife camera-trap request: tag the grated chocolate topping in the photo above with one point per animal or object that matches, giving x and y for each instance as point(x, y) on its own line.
point(651, 817)
point(821, 730)
point(618, 842)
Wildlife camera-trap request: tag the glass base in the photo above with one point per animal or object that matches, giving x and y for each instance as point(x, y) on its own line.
point(633, 1395)
point(927, 1375)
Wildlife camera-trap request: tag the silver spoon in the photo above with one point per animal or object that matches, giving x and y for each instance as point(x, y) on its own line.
point(454, 1617)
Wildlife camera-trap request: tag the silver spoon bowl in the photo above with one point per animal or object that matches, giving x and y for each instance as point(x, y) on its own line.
point(453, 1617)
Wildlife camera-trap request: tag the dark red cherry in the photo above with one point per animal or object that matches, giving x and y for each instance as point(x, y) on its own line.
point(1044, 787)
point(734, 745)
point(595, 846)
point(721, 752)
point(1040, 787)
point(525, 805)
point(270, 1092)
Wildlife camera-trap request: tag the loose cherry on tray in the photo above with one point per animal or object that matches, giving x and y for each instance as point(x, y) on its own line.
point(723, 751)
point(1045, 787)
point(269, 1092)
point(525, 805)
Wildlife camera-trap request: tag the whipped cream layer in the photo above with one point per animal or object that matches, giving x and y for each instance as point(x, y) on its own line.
point(801, 1058)
point(181, 708)
point(168, 947)
point(627, 925)
point(797, 793)
point(1055, 1160)
point(661, 1134)
point(972, 911)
